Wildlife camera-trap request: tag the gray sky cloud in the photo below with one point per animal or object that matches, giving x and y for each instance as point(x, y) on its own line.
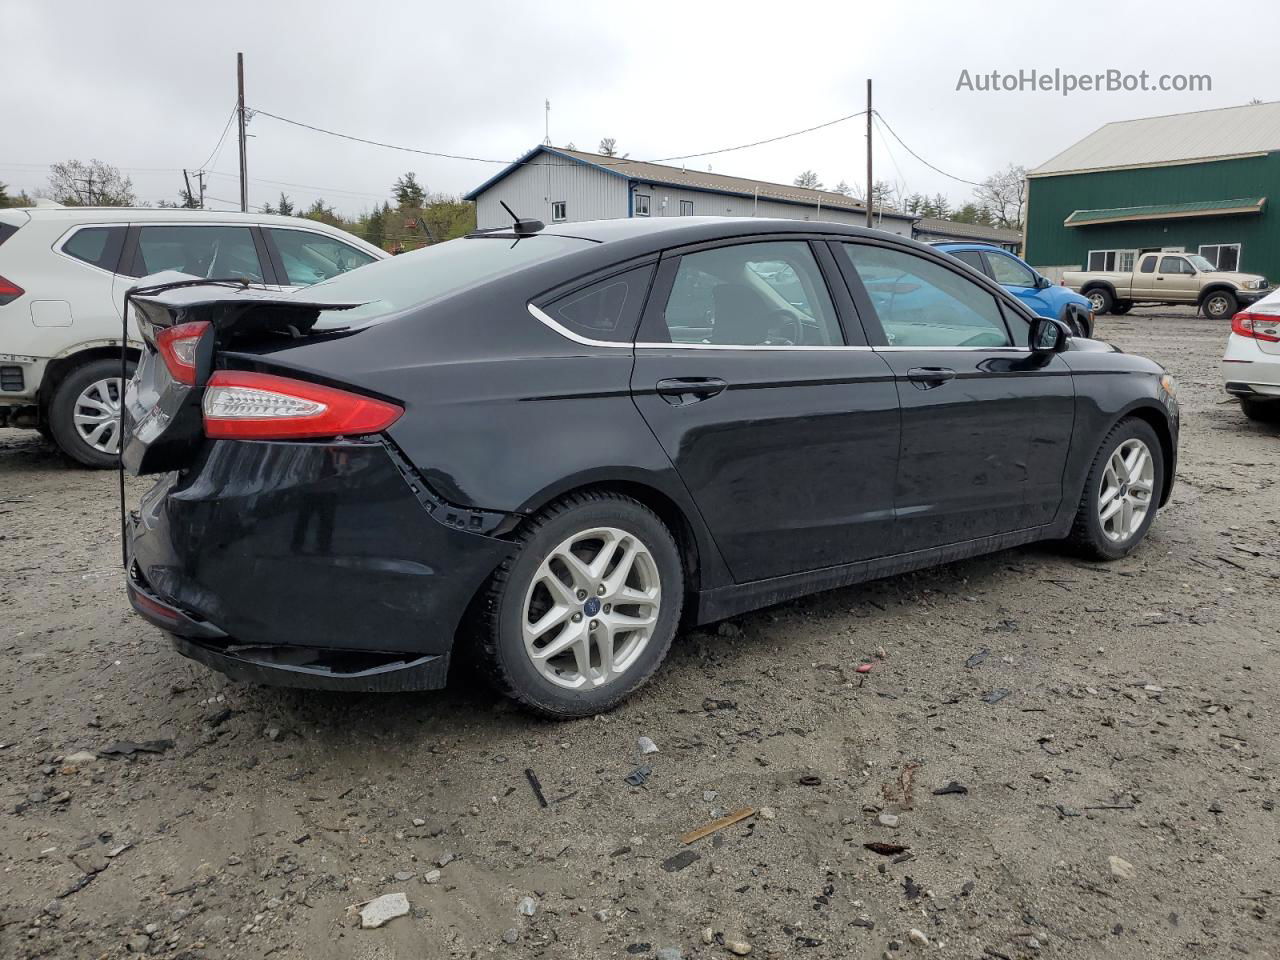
point(148, 85)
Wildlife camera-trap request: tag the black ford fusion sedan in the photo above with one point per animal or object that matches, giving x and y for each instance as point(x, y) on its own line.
point(549, 448)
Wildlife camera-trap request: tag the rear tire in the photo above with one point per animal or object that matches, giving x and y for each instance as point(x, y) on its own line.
point(1101, 299)
point(1220, 305)
point(592, 654)
point(1120, 309)
point(84, 417)
point(1263, 411)
point(1121, 495)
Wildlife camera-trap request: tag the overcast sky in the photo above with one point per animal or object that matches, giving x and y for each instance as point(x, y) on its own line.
point(148, 86)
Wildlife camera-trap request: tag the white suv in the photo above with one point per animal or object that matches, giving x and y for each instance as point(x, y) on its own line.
point(63, 275)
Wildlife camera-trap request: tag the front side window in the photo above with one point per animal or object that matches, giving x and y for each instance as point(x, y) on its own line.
point(223, 252)
point(99, 246)
point(309, 257)
point(752, 294)
point(642, 204)
point(1175, 265)
point(923, 304)
point(1009, 272)
point(686, 208)
point(605, 310)
point(558, 211)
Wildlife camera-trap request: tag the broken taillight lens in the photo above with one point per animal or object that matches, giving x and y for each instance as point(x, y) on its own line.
point(260, 406)
point(177, 347)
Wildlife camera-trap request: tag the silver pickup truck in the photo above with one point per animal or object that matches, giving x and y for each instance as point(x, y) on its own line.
point(1169, 278)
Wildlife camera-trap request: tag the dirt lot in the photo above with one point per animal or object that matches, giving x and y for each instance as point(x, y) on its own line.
point(1138, 724)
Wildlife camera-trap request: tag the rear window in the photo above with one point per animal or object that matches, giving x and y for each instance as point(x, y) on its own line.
point(416, 278)
point(99, 246)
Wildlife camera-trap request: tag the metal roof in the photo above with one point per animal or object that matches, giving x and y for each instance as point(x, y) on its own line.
point(976, 231)
point(1177, 138)
point(1165, 211)
point(641, 171)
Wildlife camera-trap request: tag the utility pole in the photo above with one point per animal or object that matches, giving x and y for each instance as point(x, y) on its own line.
point(244, 179)
point(546, 140)
point(870, 182)
point(187, 180)
point(200, 177)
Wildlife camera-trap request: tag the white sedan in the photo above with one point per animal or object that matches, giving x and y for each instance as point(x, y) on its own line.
point(1251, 365)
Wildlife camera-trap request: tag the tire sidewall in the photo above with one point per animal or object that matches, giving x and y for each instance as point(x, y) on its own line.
point(509, 650)
point(62, 410)
point(1126, 430)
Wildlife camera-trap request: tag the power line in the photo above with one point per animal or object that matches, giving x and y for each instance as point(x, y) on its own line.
point(218, 145)
point(613, 163)
point(920, 158)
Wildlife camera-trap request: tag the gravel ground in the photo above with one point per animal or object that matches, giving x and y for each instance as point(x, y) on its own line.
point(1136, 724)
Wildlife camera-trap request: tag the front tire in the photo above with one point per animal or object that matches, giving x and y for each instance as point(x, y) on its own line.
point(1220, 304)
point(84, 416)
point(1121, 493)
point(1101, 300)
point(586, 611)
point(1120, 309)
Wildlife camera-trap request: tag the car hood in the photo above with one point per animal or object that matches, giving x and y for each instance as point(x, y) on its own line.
point(1233, 276)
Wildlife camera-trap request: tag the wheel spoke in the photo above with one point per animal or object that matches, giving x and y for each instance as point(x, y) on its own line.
point(622, 571)
point(552, 618)
point(623, 621)
point(604, 644)
point(1111, 509)
point(1126, 517)
point(560, 593)
point(573, 633)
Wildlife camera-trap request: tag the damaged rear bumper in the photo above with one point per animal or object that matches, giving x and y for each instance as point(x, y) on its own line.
point(319, 565)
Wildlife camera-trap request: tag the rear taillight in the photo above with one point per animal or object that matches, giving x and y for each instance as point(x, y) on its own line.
point(1256, 326)
point(177, 347)
point(9, 291)
point(260, 406)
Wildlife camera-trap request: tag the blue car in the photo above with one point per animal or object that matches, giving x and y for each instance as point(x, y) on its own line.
point(1042, 295)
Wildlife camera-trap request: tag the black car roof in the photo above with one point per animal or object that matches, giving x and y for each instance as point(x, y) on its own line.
point(668, 231)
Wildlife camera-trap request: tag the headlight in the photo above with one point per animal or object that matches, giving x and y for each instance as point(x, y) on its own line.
point(1255, 284)
point(1169, 385)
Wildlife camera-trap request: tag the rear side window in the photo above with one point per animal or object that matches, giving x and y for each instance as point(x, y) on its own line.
point(972, 257)
point(199, 251)
point(1148, 265)
point(99, 246)
point(309, 257)
point(7, 230)
point(605, 310)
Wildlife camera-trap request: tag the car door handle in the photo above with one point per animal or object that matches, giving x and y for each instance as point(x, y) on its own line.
point(680, 391)
point(926, 378)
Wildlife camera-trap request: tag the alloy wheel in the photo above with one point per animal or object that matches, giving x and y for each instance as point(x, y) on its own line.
point(1124, 495)
point(1216, 306)
point(591, 608)
point(97, 415)
point(1096, 300)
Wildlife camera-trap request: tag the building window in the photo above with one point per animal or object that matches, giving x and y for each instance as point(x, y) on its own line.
point(686, 208)
point(1105, 261)
point(557, 211)
point(642, 204)
point(1224, 256)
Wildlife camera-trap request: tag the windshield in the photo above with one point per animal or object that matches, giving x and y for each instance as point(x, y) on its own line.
point(1199, 262)
point(412, 279)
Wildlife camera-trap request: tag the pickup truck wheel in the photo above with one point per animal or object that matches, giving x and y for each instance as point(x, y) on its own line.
point(1119, 309)
point(1220, 304)
point(84, 416)
point(1101, 300)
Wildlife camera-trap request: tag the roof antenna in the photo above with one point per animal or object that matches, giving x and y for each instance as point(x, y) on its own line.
point(520, 226)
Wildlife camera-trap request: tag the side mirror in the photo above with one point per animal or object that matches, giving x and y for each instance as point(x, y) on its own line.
point(1048, 336)
point(1043, 282)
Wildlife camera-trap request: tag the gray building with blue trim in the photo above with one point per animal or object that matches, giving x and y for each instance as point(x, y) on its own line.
point(556, 185)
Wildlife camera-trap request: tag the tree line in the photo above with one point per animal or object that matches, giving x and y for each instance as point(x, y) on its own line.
point(997, 201)
point(411, 216)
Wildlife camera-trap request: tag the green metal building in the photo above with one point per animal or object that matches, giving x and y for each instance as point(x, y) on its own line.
point(1190, 182)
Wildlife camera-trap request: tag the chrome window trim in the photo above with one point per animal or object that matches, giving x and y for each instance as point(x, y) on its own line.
point(58, 244)
point(568, 334)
